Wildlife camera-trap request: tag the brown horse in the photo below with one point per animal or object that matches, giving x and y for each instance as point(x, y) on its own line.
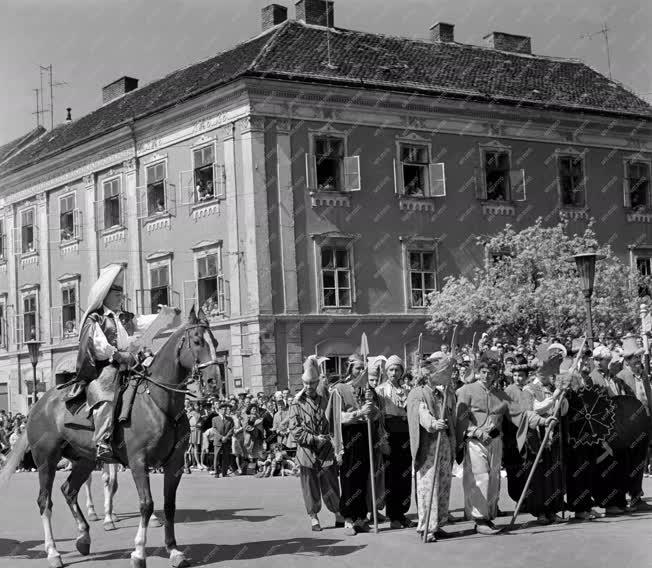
point(155, 436)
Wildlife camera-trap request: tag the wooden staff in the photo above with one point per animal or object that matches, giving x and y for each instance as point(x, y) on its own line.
point(435, 484)
point(546, 437)
point(364, 351)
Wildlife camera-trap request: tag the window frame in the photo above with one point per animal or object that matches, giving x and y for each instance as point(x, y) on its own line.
point(214, 169)
point(164, 182)
point(74, 213)
point(35, 243)
point(157, 264)
point(573, 154)
point(199, 252)
point(350, 165)
point(25, 292)
point(336, 240)
point(627, 161)
point(120, 196)
point(70, 284)
point(410, 244)
point(496, 149)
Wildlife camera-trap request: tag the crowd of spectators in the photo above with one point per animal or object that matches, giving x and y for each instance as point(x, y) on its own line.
point(11, 427)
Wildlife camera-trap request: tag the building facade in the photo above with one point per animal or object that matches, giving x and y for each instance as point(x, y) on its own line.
point(300, 208)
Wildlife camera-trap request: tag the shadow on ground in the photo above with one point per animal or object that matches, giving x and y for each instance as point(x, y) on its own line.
point(203, 515)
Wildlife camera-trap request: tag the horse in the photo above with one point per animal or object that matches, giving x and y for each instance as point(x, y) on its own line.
point(157, 435)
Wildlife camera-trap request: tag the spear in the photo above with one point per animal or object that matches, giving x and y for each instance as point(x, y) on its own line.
point(364, 352)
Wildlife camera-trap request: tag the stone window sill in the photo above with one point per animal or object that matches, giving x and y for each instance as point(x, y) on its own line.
point(29, 257)
point(334, 310)
point(206, 208)
point(642, 216)
point(158, 221)
point(330, 199)
point(575, 213)
point(416, 203)
point(505, 208)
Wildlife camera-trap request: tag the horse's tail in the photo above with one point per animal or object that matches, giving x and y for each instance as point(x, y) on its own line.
point(13, 460)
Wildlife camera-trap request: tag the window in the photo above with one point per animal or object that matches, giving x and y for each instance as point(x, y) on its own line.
point(27, 231)
point(112, 203)
point(69, 312)
point(571, 181)
point(3, 241)
point(67, 217)
point(422, 277)
point(414, 163)
point(156, 177)
point(159, 278)
point(204, 174)
point(336, 277)
point(497, 176)
point(644, 266)
point(637, 185)
point(330, 155)
point(29, 322)
point(210, 283)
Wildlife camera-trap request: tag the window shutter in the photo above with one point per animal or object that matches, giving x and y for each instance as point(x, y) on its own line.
point(352, 173)
point(99, 215)
point(123, 209)
point(221, 296)
point(627, 196)
point(171, 198)
point(480, 189)
point(227, 298)
point(396, 177)
point(437, 180)
point(219, 180)
point(311, 171)
point(517, 183)
point(36, 237)
point(141, 202)
point(187, 185)
point(18, 240)
point(77, 223)
point(20, 335)
point(56, 323)
point(189, 295)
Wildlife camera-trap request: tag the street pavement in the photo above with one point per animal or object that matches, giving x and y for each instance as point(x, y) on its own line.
point(248, 522)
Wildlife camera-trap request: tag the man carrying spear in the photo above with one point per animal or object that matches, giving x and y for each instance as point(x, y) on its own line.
point(350, 406)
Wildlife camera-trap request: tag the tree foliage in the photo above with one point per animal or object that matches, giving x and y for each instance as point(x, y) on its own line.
point(527, 288)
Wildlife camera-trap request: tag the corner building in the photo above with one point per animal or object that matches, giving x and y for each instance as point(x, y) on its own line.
point(307, 185)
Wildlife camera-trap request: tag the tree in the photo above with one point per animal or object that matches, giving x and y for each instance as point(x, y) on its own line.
point(527, 288)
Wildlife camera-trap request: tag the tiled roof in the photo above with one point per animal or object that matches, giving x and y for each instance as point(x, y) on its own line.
point(6, 150)
point(296, 51)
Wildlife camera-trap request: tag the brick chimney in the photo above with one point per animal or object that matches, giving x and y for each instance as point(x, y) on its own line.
point(119, 87)
point(314, 12)
point(272, 15)
point(508, 42)
point(443, 32)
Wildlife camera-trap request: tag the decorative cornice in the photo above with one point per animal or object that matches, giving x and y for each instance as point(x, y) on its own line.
point(225, 132)
point(491, 208)
point(201, 211)
point(406, 203)
point(29, 258)
point(418, 239)
point(29, 287)
point(206, 245)
point(157, 223)
point(159, 255)
point(156, 157)
point(329, 199)
point(575, 214)
point(114, 235)
point(41, 198)
point(639, 217)
point(251, 123)
point(69, 247)
point(89, 181)
point(129, 165)
point(283, 125)
point(69, 276)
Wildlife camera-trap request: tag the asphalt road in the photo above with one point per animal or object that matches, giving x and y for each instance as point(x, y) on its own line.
point(248, 522)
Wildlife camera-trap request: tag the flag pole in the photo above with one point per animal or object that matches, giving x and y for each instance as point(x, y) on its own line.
point(364, 352)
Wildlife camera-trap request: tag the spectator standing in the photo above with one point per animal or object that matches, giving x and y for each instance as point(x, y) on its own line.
point(223, 427)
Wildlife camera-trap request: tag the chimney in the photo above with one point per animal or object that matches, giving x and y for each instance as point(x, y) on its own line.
point(117, 88)
point(443, 32)
point(508, 42)
point(68, 115)
point(316, 12)
point(272, 15)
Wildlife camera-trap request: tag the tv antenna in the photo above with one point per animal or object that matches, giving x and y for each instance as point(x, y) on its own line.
point(39, 109)
point(48, 69)
point(605, 33)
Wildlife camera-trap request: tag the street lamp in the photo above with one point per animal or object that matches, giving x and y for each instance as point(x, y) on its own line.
point(585, 264)
point(33, 346)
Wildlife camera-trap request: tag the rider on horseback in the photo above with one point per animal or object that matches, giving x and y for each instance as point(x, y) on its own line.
point(103, 344)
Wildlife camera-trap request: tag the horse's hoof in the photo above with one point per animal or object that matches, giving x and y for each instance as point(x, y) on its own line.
point(109, 526)
point(92, 516)
point(178, 560)
point(138, 562)
point(55, 562)
point(83, 544)
point(114, 517)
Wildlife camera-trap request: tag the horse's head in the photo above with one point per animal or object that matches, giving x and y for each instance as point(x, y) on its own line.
point(197, 351)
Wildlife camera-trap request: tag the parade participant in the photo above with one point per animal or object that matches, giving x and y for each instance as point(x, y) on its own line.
point(315, 454)
point(545, 494)
point(375, 376)
point(426, 421)
point(351, 403)
point(103, 344)
point(398, 463)
point(605, 374)
point(222, 425)
point(481, 408)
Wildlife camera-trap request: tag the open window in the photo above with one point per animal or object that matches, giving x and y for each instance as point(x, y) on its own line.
point(637, 196)
point(415, 175)
point(158, 197)
point(328, 168)
point(27, 233)
point(69, 218)
point(572, 187)
point(110, 209)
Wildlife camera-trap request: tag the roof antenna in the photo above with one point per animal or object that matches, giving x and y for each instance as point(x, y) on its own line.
point(328, 37)
point(603, 31)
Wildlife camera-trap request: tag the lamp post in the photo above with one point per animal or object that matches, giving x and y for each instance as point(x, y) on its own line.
point(585, 264)
point(33, 346)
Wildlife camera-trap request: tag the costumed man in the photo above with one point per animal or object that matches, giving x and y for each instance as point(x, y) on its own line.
point(545, 494)
point(427, 420)
point(351, 403)
point(481, 408)
point(103, 352)
point(634, 376)
point(398, 463)
point(315, 454)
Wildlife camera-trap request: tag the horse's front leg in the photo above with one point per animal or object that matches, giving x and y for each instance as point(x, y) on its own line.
point(172, 477)
point(110, 483)
point(79, 473)
point(141, 478)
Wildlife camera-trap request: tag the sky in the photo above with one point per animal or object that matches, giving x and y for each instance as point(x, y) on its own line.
point(90, 43)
